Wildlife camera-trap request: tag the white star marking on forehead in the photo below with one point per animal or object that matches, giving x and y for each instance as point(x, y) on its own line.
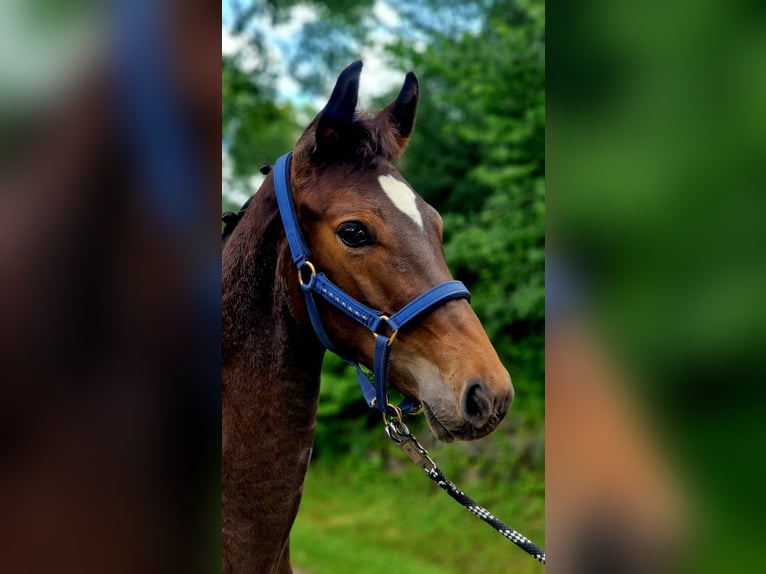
point(402, 197)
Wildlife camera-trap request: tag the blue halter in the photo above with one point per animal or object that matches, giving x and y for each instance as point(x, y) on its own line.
point(313, 282)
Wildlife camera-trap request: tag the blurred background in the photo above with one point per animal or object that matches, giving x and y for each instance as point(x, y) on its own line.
point(109, 286)
point(656, 139)
point(477, 155)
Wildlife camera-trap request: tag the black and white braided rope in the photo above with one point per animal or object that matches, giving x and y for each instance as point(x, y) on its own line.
point(398, 432)
point(480, 512)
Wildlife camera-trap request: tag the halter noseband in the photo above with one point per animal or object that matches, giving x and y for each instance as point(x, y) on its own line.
point(313, 282)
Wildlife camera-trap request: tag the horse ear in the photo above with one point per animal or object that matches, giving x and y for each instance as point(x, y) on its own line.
point(400, 114)
point(338, 114)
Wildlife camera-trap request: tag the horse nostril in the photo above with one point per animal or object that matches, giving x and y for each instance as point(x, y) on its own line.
point(477, 403)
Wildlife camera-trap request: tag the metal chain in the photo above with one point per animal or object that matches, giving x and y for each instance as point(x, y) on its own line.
point(398, 432)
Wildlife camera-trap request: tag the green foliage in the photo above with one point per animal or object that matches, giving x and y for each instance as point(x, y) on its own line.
point(500, 253)
point(255, 127)
point(482, 124)
point(478, 156)
point(344, 423)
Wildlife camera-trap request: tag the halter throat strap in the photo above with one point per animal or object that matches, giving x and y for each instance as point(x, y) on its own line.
point(314, 282)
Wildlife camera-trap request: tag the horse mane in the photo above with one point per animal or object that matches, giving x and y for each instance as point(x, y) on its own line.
point(249, 263)
point(232, 218)
point(375, 141)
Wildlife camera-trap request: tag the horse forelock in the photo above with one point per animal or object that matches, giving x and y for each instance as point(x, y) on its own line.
point(376, 141)
point(361, 144)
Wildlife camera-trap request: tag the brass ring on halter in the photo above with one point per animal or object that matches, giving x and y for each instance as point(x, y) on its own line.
point(300, 272)
point(397, 412)
point(393, 334)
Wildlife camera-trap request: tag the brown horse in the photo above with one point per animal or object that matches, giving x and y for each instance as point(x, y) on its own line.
point(382, 244)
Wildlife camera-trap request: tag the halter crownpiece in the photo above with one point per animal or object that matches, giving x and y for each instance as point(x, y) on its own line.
point(314, 282)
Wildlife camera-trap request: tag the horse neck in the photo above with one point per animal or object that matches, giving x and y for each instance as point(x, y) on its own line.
point(265, 324)
point(271, 367)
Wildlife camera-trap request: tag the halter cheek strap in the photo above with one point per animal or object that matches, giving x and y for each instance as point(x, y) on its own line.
point(317, 283)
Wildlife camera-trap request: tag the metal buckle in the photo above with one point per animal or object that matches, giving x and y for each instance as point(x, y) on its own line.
point(385, 318)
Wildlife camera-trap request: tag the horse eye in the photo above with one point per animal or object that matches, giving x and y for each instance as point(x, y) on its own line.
point(354, 234)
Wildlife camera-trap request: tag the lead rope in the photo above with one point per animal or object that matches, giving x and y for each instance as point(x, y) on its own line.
point(398, 432)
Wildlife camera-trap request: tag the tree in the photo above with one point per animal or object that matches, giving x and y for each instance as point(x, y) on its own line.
point(478, 155)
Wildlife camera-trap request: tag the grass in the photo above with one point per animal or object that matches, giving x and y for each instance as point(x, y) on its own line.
point(357, 518)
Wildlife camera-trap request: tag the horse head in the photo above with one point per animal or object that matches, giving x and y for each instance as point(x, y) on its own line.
point(372, 234)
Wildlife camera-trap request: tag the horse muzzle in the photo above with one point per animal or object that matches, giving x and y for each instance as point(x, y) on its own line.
point(478, 412)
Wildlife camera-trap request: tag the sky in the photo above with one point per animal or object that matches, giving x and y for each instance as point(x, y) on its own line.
point(377, 76)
